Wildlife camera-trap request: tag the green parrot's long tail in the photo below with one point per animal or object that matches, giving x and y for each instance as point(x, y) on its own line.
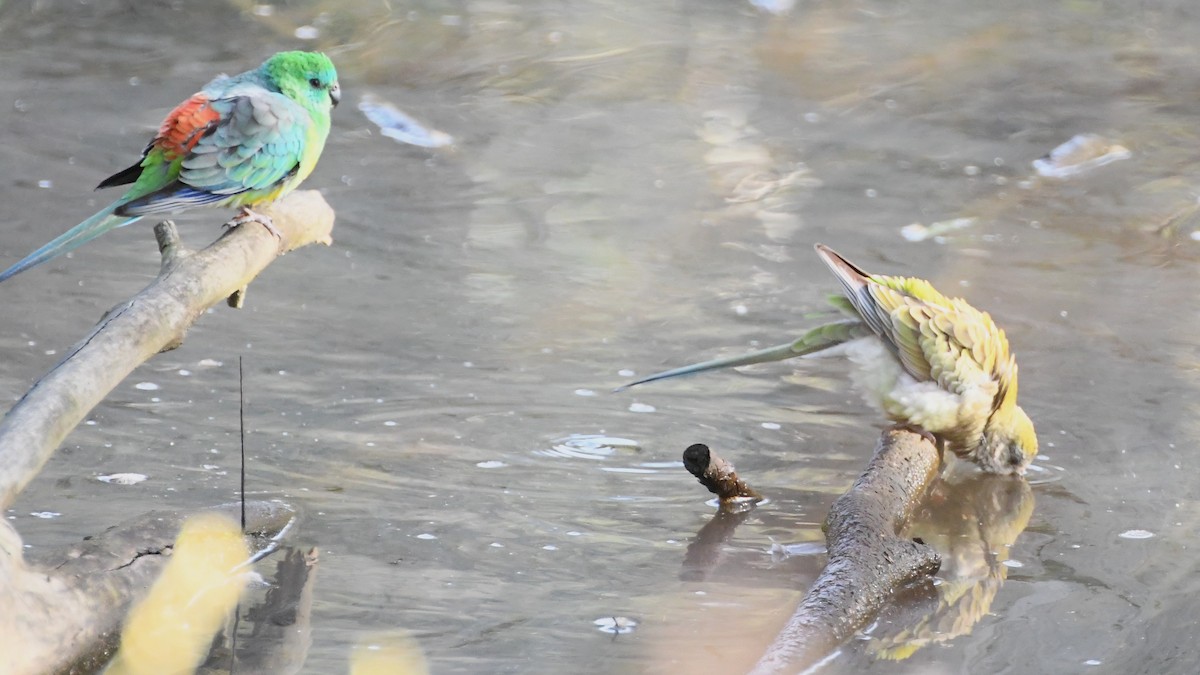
point(816, 340)
point(73, 238)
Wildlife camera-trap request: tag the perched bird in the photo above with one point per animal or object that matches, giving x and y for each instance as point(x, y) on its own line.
point(924, 359)
point(238, 142)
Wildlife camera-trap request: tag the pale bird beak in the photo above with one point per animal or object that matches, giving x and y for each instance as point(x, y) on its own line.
point(335, 94)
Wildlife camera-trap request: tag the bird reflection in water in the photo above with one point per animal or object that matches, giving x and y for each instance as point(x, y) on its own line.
point(971, 519)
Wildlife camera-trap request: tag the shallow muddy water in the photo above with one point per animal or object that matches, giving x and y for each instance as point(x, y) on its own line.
point(636, 186)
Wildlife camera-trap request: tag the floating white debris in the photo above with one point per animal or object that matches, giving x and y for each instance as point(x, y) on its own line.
point(1136, 534)
point(617, 625)
point(585, 392)
point(773, 426)
point(45, 514)
point(641, 408)
point(45, 184)
point(400, 127)
point(1082, 153)
point(307, 32)
point(625, 372)
point(1014, 564)
point(919, 232)
point(146, 386)
point(209, 363)
point(426, 536)
point(492, 464)
point(122, 478)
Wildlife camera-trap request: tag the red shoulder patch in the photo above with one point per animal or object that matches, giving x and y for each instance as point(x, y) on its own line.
point(185, 125)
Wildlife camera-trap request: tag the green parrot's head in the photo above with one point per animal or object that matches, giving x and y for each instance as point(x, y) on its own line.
point(1009, 443)
point(308, 78)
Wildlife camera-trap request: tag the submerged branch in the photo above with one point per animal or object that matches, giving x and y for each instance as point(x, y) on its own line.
point(737, 500)
point(63, 609)
point(718, 475)
point(868, 561)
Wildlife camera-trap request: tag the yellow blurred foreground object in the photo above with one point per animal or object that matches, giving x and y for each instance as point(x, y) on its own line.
point(171, 630)
point(393, 653)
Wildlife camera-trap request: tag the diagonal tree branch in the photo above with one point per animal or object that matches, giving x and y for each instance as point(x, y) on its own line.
point(154, 320)
point(61, 610)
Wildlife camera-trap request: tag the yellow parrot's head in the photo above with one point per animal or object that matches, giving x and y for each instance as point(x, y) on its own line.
point(1009, 443)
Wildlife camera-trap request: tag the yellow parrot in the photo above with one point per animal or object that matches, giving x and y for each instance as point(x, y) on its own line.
point(924, 359)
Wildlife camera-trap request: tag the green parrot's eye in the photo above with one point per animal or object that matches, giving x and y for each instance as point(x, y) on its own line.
point(316, 83)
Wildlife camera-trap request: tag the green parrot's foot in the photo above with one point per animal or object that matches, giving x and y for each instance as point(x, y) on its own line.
point(247, 216)
point(921, 431)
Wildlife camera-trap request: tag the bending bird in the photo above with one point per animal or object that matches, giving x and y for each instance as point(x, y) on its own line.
point(240, 141)
point(924, 359)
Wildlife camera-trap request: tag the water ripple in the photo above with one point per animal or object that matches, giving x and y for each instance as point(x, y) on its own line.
point(590, 446)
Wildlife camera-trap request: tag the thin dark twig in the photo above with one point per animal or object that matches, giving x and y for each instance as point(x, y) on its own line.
point(237, 612)
point(242, 435)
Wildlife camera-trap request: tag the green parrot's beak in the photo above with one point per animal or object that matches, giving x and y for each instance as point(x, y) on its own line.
point(335, 94)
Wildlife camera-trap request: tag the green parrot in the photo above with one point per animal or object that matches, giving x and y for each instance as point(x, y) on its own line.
point(924, 359)
point(238, 142)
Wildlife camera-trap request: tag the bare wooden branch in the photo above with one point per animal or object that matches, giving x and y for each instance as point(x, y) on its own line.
point(868, 561)
point(150, 322)
point(64, 608)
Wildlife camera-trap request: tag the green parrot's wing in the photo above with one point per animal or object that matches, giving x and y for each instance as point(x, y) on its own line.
point(253, 143)
point(258, 143)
